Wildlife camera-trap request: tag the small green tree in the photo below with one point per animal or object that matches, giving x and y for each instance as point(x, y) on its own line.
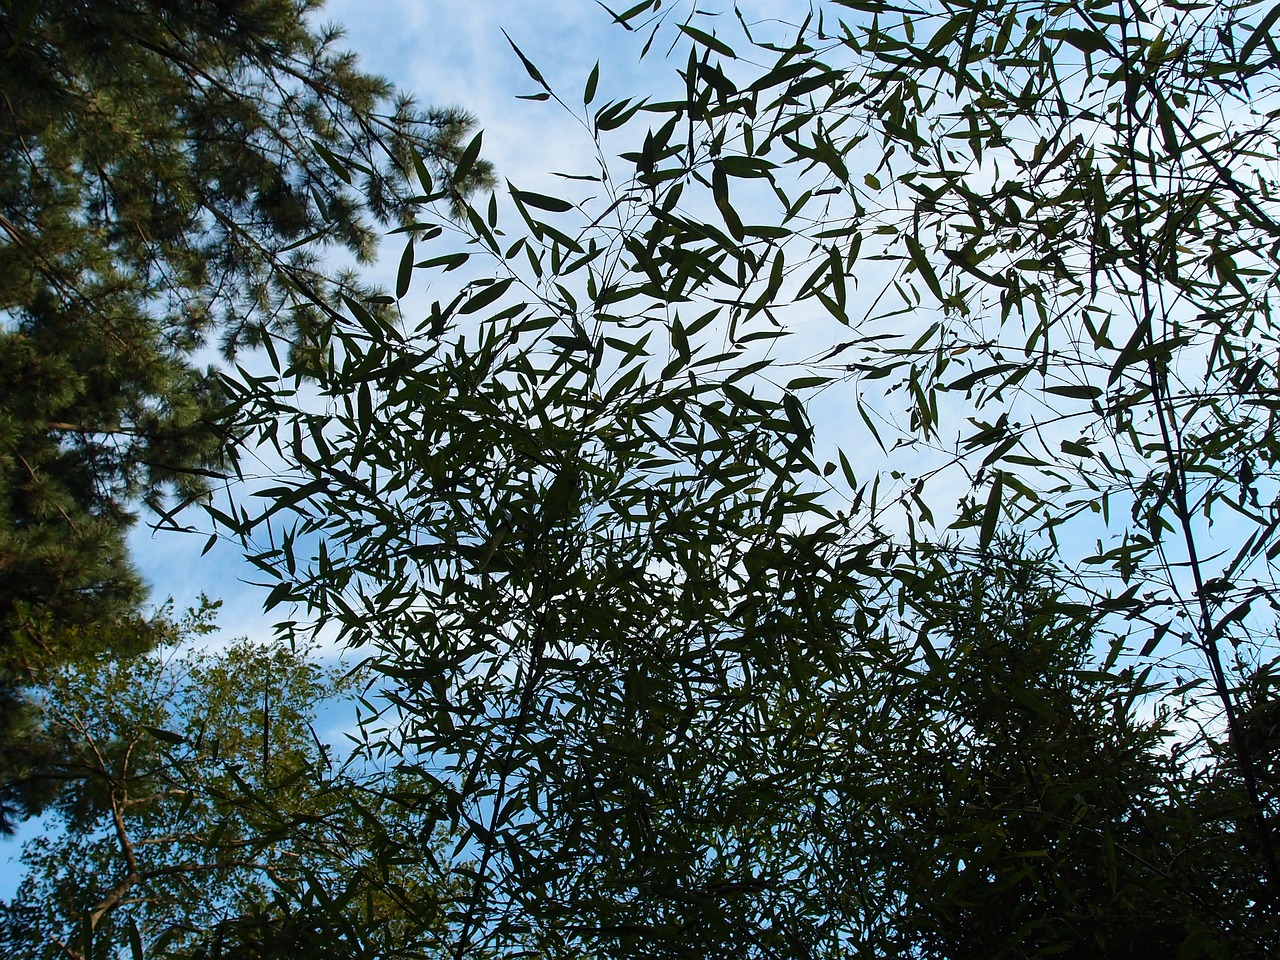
point(198, 806)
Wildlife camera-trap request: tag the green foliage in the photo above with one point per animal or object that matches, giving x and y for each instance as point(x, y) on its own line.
point(169, 170)
point(1047, 817)
point(689, 679)
point(199, 807)
point(30, 755)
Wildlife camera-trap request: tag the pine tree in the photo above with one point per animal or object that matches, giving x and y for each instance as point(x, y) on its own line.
point(169, 170)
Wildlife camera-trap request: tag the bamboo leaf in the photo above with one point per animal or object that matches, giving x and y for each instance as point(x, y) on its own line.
point(405, 274)
point(486, 295)
point(542, 202)
point(135, 940)
point(467, 162)
point(921, 262)
point(991, 513)
point(707, 40)
point(533, 72)
point(166, 736)
point(1260, 32)
point(1076, 391)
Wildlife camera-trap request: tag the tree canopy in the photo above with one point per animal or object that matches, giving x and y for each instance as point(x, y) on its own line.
point(170, 173)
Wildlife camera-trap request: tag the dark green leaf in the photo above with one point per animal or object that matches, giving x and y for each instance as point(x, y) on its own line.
point(542, 202)
point(467, 162)
point(166, 736)
point(991, 513)
point(1261, 31)
point(405, 274)
point(485, 296)
point(707, 40)
point(135, 940)
point(528, 66)
point(1076, 391)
